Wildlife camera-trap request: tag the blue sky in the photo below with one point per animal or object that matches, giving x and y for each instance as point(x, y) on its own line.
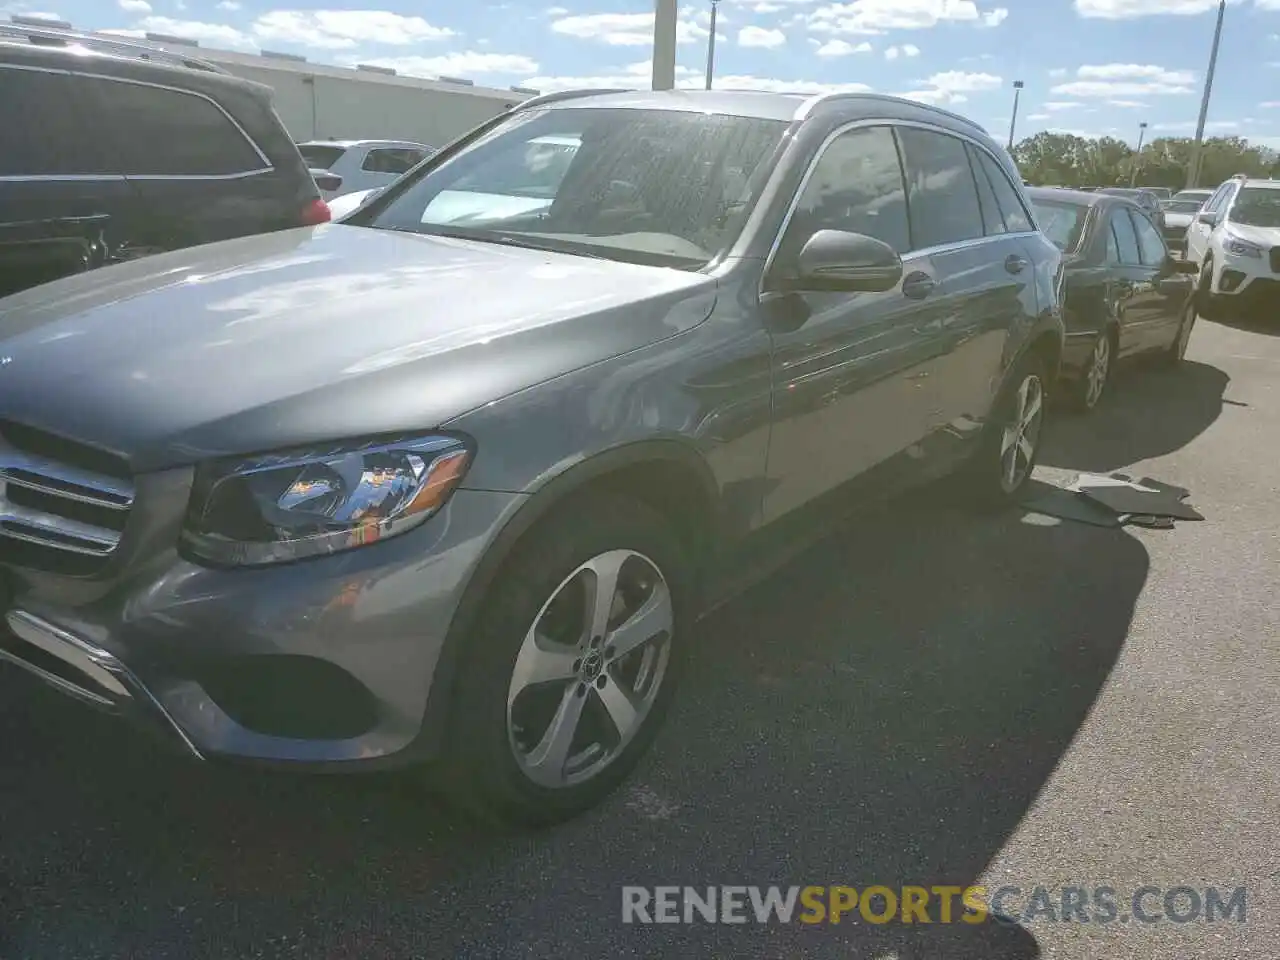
point(1090, 66)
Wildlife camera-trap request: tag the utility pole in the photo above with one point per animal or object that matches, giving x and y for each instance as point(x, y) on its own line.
point(664, 44)
point(1013, 121)
point(1137, 156)
point(711, 45)
point(1197, 147)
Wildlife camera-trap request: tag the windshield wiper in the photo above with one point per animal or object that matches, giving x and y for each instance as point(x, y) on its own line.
point(515, 240)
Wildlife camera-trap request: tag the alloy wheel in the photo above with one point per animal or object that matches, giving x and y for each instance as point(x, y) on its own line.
point(1020, 437)
point(1099, 369)
point(590, 669)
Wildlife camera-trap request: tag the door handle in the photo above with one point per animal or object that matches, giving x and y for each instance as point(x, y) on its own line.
point(1015, 263)
point(918, 285)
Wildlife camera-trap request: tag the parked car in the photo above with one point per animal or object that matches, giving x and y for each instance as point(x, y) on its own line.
point(348, 203)
point(158, 151)
point(1125, 294)
point(397, 489)
point(1161, 193)
point(1234, 242)
point(1179, 212)
point(361, 164)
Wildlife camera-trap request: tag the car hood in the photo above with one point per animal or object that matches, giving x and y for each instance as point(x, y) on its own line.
point(1264, 237)
point(316, 334)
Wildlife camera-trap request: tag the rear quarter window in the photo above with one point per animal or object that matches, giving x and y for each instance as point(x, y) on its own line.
point(159, 131)
point(320, 156)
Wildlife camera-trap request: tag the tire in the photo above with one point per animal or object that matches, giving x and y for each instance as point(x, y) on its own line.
point(501, 762)
point(1087, 391)
point(987, 476)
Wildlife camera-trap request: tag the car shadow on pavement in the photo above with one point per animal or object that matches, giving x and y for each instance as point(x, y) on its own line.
point(1148, 412)
point(883, 710)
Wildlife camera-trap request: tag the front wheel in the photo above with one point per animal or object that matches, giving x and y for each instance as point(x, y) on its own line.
point(572, 665)
point(1010, 446)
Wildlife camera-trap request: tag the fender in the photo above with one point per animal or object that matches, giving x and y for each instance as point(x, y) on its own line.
point(540, 503)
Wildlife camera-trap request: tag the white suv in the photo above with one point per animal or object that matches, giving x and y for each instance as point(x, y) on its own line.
point(1235, 238)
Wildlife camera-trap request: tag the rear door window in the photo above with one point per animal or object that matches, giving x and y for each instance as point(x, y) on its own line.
point(1125, 239)
point(43, 129)
point(320, 156)
point(1150, 244)
point(396, 160)
point(942, 197)
point(164, 132)
point(1012, 209)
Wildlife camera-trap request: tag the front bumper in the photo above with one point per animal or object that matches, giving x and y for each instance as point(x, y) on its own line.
point(322, 662)
point(1255, 298)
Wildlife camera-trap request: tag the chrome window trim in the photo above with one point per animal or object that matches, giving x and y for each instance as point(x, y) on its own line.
point(109, 177)
point(891, 123)
point(172, 89)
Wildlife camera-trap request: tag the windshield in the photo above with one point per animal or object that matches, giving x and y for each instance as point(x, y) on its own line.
point(1257, 207)
point(1183, 206)
point(645, 186)
point(1060, 222)
point(320, 156)
point(1196, 196)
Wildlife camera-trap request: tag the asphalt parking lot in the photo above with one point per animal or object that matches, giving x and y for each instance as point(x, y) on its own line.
point(927, 697)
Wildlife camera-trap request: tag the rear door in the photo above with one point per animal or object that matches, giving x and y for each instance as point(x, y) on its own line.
point(1161, 308)
point(199, 174)
point(986, 286)
point(63, 205)
point(1134, 283)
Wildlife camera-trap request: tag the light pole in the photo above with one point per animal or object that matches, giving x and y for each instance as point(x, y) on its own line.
point(664, 44)
point(1013, 120)
point(711, 45)
point(1197, 147)
point(1137, 155)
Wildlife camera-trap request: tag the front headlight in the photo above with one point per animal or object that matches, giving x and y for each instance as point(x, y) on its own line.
point(1240, 248)
point(302, 503)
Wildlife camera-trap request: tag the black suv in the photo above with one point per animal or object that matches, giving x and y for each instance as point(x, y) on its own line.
point(114, 149)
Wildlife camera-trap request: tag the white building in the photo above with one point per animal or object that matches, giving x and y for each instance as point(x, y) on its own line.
point(318, 102)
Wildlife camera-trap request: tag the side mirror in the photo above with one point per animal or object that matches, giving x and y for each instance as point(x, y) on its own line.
point(1208, 218)
point(326, 180)
point(838, 261)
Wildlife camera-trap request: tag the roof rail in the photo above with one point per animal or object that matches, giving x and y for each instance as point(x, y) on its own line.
point(556, 97)
point(807, 108)
point(120, 46)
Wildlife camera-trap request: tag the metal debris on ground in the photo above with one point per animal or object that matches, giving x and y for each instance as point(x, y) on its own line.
point(1112, 501)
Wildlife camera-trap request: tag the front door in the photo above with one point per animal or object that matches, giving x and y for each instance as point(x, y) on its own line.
point(850, 370)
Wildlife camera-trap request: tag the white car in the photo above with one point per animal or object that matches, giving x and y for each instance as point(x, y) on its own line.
point(362, 164)
point(1179, 213)
point(1235, 239)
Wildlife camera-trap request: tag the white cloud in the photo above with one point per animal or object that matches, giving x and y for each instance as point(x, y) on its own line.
point(625, 29)
point(1127, 104)
point(214, 34)
point(231, 5)
point(1058, 73)
point(768, 8)
point(761, 37)
point(1114, 81)
point(993, 18)
point(462, 64)
point(344, 29)
point(906, 50)
point(636, 76)
point(1131, 9)
point(1054, 105)
point(841, 48)
point(1269, 104)
point(951, 87)
point(877, 16)
point(1039, 116)
point(135, 6)
point(556, 11)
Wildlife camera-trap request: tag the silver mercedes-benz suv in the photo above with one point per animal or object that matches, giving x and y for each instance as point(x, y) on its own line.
point(451, 481)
